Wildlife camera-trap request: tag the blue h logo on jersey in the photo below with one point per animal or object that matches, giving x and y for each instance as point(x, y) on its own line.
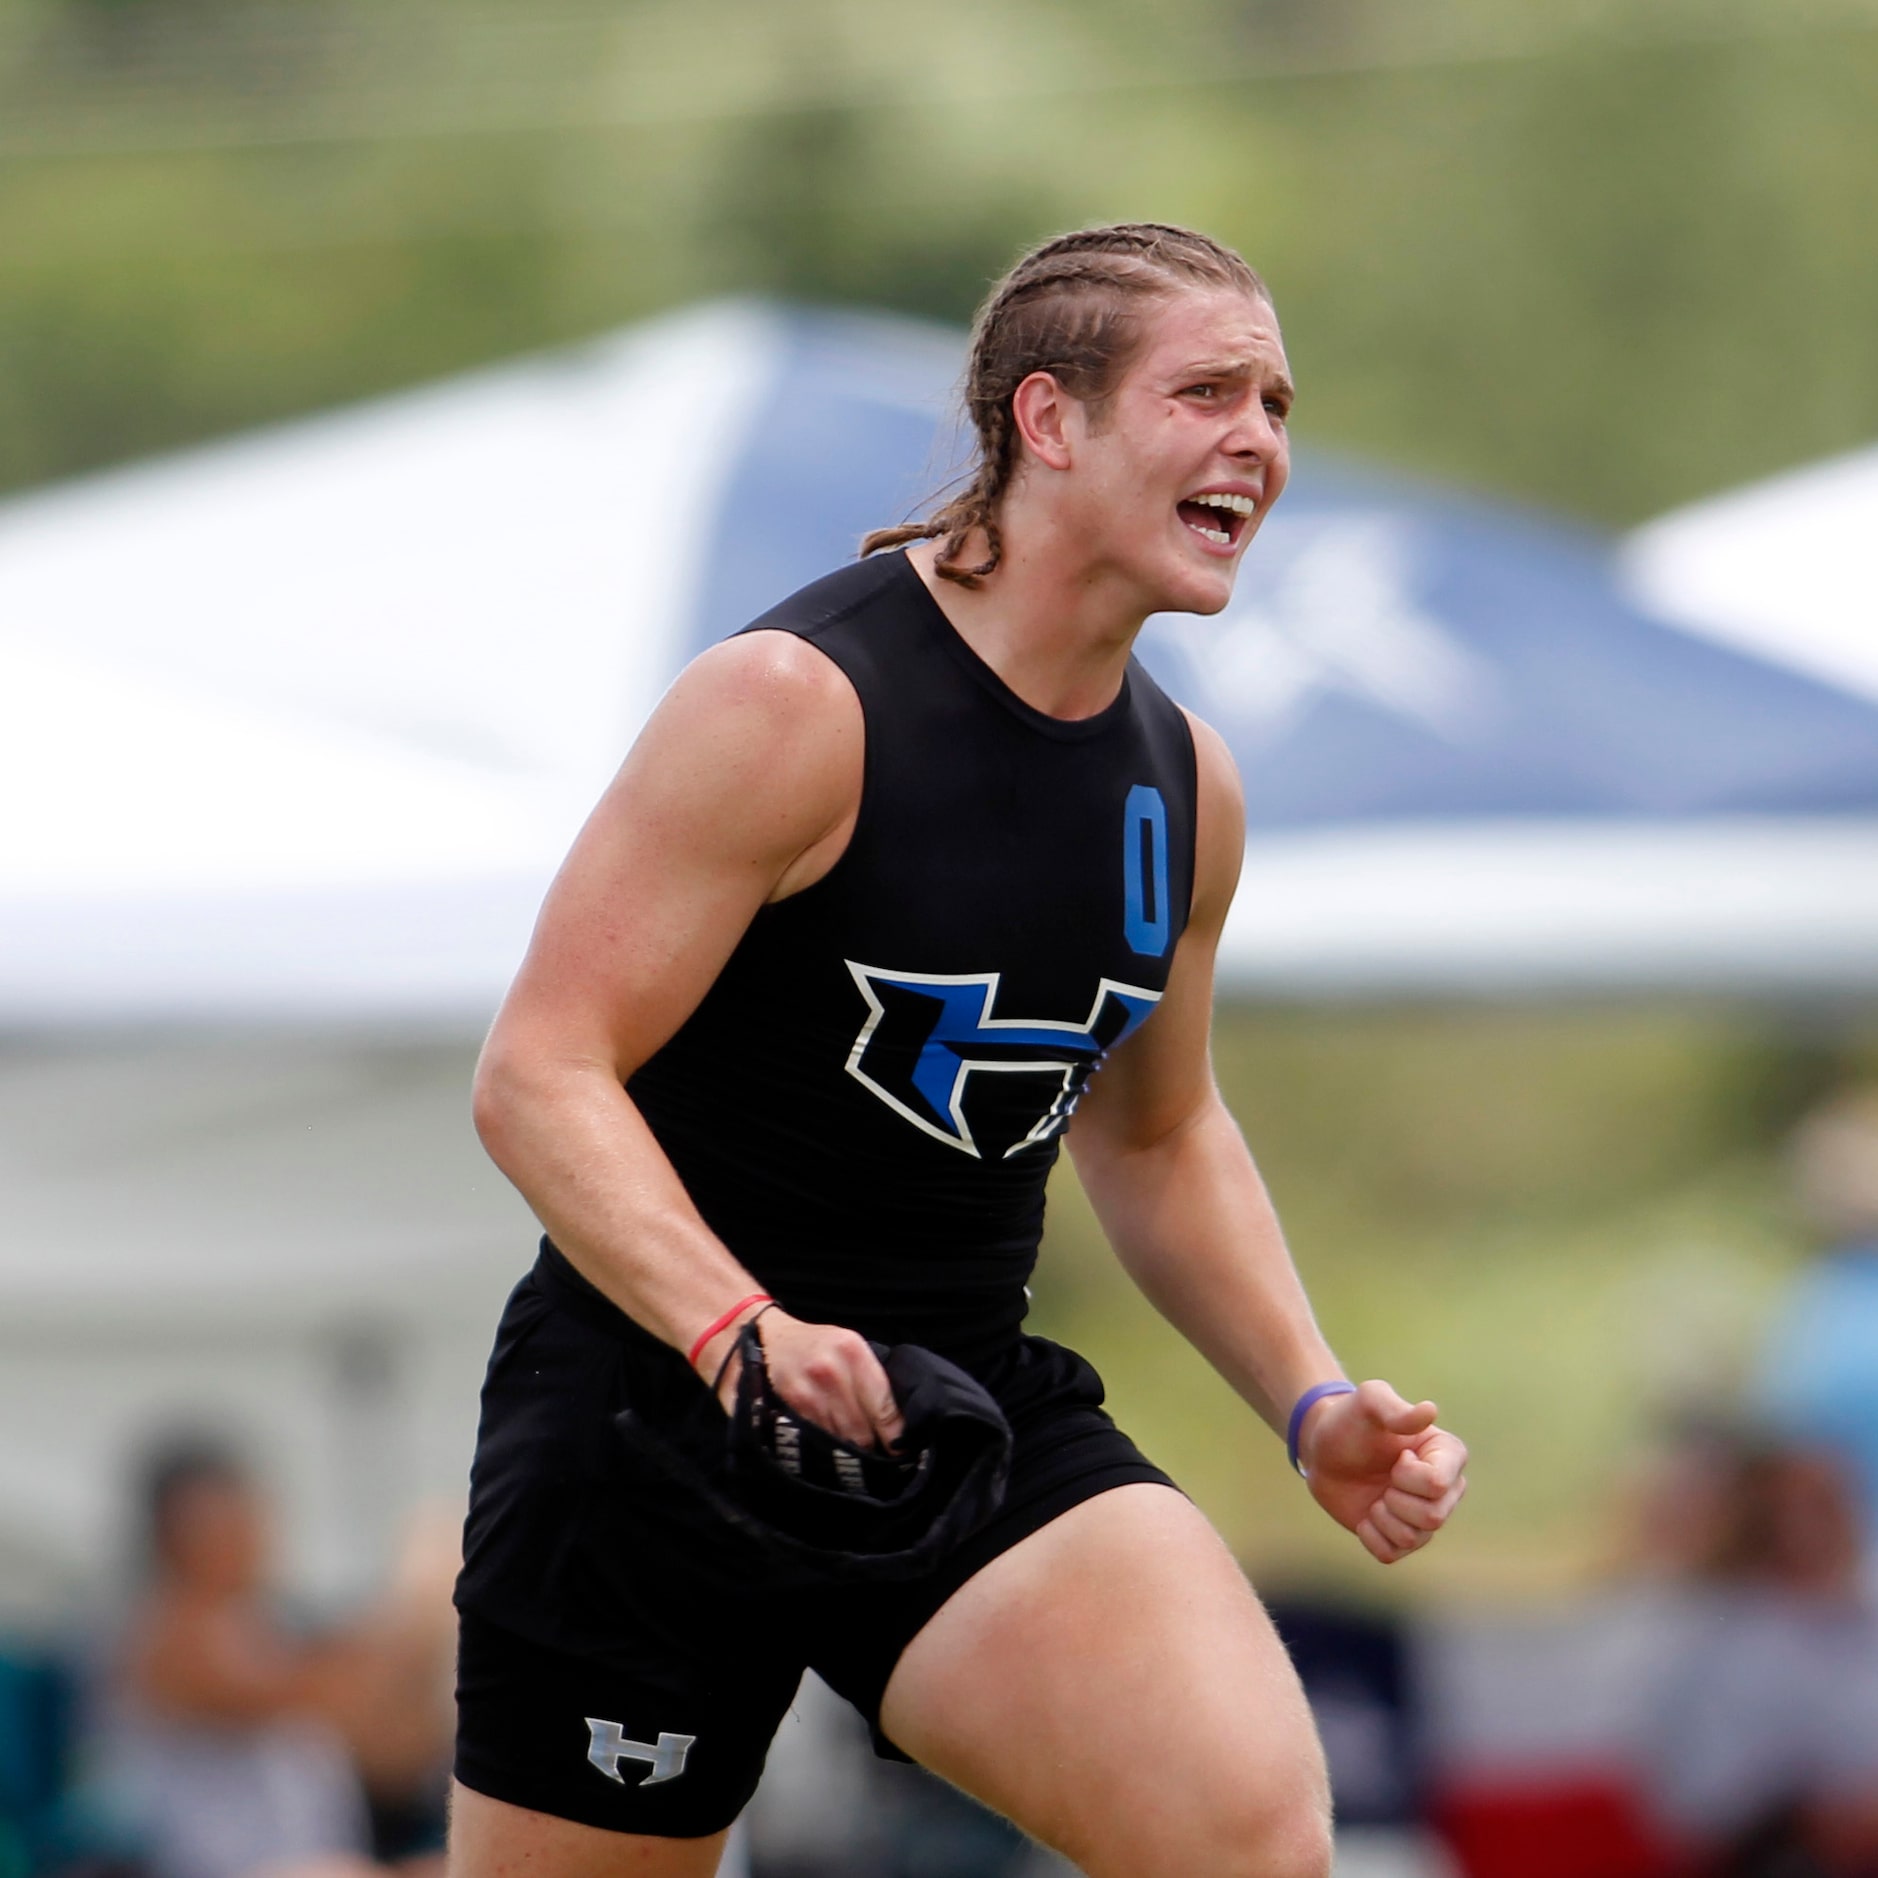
point(927, 1032)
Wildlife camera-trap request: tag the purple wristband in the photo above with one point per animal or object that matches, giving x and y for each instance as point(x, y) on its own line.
point(1305, 1403)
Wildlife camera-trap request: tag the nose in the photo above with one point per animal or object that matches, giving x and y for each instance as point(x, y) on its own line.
point(1257, 437)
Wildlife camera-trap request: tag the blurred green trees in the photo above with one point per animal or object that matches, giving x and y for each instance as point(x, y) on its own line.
point(1605, 257)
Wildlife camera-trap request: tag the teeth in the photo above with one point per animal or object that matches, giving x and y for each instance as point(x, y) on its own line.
point(1226, 503)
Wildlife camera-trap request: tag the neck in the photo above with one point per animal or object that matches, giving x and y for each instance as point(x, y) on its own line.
point(1055, 630)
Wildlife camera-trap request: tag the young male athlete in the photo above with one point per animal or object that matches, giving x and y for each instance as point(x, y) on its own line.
point(915, 878)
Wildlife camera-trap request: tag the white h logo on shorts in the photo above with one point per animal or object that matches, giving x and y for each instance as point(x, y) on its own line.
point(609, 1746)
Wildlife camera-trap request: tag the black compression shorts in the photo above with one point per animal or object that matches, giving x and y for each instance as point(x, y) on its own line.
point(622, 1664)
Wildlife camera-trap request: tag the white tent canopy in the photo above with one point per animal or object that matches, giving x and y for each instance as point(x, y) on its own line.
point(1738, 905)
point(1784, 568)
point(188, 856)
point(306, 720)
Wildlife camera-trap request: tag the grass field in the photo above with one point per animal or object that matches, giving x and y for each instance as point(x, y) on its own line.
point(1556, 1222)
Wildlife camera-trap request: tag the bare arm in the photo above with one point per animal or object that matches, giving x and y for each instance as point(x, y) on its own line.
point(1182, 1202)
point(1168, 1171)
point(742, 789)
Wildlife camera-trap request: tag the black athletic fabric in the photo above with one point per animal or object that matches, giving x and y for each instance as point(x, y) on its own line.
point(596, 1591)
point(822, 1510)
point(865, 1107)
point(1006, 870)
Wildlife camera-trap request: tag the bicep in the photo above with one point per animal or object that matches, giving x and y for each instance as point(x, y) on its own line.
point(751, 761)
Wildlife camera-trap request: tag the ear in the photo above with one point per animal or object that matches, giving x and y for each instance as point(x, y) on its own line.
point(1040, 408)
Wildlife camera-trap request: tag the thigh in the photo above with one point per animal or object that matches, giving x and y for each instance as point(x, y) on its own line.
point(1112, 1685)
point(492, 1839)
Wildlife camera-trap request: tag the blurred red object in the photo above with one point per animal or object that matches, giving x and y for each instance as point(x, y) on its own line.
point(1583, 1826)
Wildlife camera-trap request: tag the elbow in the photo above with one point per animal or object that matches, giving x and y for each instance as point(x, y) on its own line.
point(497, 1096)
point(1138, 1136)
point(526, 1091)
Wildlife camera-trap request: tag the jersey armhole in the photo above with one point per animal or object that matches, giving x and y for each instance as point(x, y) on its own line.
point(810, 635)
point(1193, 815)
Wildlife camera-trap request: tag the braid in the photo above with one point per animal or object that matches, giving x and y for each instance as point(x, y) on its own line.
point(1070, 308)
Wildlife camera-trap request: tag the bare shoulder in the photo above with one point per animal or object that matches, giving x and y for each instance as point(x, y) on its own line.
point(770, 666)
point(771, 685)
point(1219, 824)
point(1218, 773)
point(742, 788)
point(762, 733)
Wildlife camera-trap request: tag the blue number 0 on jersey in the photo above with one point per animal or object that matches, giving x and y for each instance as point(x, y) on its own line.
point(1144, 871)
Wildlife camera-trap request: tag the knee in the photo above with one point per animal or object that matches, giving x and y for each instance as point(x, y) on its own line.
point(1301, 1846)
point(1272, 1838)
point(1239, 1833)
point(1264, 1817)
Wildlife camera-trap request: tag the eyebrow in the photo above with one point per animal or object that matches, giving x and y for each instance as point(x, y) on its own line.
point(1281, 386)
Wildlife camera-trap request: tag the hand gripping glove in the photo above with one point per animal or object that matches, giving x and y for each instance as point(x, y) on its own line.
point(822, 1510)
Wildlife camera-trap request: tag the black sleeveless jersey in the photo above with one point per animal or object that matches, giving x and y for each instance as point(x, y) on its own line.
point(867, 1103)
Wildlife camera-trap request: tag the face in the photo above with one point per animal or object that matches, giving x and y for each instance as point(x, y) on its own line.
point(215, 1536)
point(1169, 481)
point(1816, 1542)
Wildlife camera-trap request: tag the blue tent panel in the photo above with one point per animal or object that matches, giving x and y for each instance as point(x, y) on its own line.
point(1398, 652)
point(1394, 651)
point(855, 434)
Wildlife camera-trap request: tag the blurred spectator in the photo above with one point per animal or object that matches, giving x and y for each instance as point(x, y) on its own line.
point(1679, 1512)
point(1819, 1374)
point(233, 1746)
point(1713, 1713)
point(1762, 1747)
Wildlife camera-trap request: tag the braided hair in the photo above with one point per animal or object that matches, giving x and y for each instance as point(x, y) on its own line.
point(1071, 308)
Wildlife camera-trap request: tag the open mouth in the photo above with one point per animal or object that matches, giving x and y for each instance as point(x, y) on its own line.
point(1220, 519)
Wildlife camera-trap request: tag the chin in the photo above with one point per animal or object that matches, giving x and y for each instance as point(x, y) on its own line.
point(1199, 590)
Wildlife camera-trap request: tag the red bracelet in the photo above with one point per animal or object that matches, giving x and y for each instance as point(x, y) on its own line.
point(730, 1317)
